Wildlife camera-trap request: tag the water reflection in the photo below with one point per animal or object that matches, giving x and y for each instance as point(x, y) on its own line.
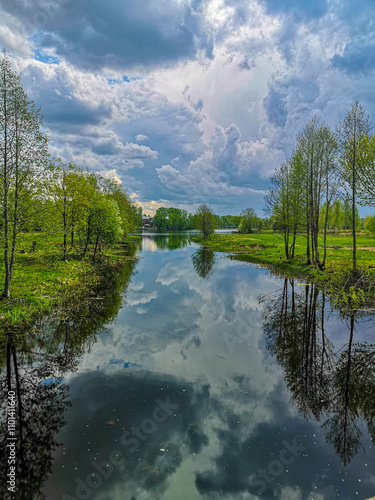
point(40, 401)
point(335, 386)
point(33, 366)
point(203, 262)
point(179, 397)
point(163, 241)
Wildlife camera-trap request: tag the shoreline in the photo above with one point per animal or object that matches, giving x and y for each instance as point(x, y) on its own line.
point(43, 283)
point(265, 250)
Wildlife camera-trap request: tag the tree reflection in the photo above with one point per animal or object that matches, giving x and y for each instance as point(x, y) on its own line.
point(171, 241)
point(40, 402)
point(203, 262)
point(33, 366)
point(337, 388)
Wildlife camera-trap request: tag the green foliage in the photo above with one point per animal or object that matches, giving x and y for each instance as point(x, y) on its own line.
point(23, 152)
point(249, 221)
point(370, 224)
point(171, 219)
point(205, 220)
point(106, 222)
point(349, 301)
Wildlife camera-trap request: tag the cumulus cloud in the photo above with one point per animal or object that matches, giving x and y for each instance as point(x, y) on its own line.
point(227, 168)
point(110, 174)
point(141, 138)
point(189, 101)
point(12, 34)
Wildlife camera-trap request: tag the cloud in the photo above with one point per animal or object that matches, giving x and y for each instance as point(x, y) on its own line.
point(110, 174)
point(358, 56)
point(301, 11)
point(135, 299)
point(208, 101)
point(150, 207)
point(115, 34)
point(141, 138)
point(227, 168)
point(12, 34)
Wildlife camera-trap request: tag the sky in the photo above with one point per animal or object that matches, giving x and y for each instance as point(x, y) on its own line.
point(189, 101)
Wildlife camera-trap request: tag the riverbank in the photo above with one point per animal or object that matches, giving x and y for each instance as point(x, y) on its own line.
point(42, 280)
point(267, 250)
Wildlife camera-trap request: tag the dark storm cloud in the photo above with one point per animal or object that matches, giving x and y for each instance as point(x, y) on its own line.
point(274, 104)
point(60, 106)
point(296, 8)
point(118, 34)
point(357, 57)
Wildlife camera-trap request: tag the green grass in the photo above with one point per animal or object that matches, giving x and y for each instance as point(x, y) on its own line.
point(41, 279)
point(267, 249)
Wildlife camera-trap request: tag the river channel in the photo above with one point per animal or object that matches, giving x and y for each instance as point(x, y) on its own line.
point(201, 377)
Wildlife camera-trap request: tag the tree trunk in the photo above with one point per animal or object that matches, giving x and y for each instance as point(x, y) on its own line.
point(87, 237)
point(325, 233)
point(15, 213)
point(353, 224)
point(96, 246)
point(308, 255)
point(6, 292)
point(286, 243)
point(65, 228)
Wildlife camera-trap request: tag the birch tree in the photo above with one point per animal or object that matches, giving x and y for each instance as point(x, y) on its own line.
point(352, 133)
point(23, 150)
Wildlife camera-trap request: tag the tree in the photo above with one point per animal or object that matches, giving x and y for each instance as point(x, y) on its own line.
point(336, 217)
point(317, 150)
point(205, 220)
point(249, 221)
point(366, 173)
point(161, 218)
point(283, 202)
point(71, 194)
point(352, 135)
point(235, 220)
point(128, 212)
point(370, 224)
point(331, 182)
point(106, 223)
point(23, 150)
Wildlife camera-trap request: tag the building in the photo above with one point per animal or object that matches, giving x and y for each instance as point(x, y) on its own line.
point(147, 222)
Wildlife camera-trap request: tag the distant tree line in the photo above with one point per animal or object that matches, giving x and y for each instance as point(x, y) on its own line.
point(319, 186)
point(177, 219)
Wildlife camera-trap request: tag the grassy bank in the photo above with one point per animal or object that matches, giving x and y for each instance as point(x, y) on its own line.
point(42, 279)
point(267, 250)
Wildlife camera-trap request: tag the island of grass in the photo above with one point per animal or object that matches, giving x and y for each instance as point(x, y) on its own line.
point(267, 250)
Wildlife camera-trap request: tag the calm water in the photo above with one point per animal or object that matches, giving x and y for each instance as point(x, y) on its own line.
point(199, 377)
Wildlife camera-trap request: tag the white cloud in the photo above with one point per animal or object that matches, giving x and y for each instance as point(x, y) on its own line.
point(141, 138)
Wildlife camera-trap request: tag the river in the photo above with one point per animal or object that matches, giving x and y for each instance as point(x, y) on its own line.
point(209, 379)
